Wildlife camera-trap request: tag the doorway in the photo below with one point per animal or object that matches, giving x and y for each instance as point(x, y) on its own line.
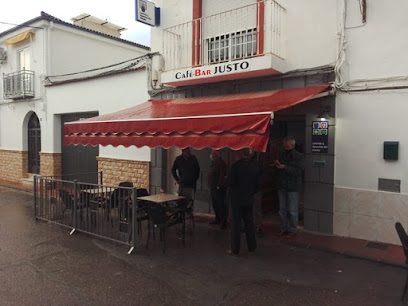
point(79, 159)
point(34, 144)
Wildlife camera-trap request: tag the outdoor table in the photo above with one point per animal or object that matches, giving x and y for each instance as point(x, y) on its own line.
point(161, 198)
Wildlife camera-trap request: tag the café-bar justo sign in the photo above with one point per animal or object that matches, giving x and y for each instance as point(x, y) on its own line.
point(213, 70)
point(233, 70)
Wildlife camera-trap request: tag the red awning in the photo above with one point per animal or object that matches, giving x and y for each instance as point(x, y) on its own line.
point(235, 121)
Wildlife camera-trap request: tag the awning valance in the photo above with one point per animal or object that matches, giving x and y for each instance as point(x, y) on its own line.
point(20, 37)
point(235, 121)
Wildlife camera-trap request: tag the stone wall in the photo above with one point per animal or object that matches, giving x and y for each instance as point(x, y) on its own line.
point(119, 170)
point(13, 165)
point(369, 215)
point(50, 164)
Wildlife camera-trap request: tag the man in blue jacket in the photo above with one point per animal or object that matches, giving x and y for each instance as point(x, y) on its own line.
point(290, 166)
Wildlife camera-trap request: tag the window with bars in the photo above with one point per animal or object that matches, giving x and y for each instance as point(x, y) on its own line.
point(237, 45)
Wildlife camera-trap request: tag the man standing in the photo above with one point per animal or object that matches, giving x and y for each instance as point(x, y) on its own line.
point(186, 171)
point(290, 166)
point(217, 185)
point(243, 183)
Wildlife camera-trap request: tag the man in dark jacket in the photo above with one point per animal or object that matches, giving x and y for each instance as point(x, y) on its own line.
point(290, 166)
point(186, 171)
point(216, 183)
point(243, 184)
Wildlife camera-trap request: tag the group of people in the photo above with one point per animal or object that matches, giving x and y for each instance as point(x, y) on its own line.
point(243, 184)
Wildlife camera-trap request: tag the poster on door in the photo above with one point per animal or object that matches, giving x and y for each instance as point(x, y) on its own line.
point(320, 137)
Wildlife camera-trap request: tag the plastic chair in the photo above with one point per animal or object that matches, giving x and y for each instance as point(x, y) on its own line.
point(404, 241)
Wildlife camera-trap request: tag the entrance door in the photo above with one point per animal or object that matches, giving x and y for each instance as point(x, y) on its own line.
point(79, 159)
point(34, 144)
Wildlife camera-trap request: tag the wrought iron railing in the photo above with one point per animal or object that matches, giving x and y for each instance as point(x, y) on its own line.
point(226, 36)
point(18, 85)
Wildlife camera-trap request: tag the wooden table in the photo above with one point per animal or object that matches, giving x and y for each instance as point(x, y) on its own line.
point(161, 198)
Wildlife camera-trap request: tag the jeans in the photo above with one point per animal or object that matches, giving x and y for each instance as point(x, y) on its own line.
point(288, 210)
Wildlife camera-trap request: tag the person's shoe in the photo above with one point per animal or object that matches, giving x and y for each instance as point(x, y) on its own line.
point(214, 223)
point(259, 233)
point(229, 252)
point(251, 253)
point(284, 233)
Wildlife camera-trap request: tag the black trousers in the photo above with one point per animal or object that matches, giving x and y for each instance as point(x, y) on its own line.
point(219, 205)
point(242, 214)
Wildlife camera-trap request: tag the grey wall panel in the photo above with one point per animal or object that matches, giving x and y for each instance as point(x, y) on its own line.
point(311, 220)
point(318, 196)
point(325, 222)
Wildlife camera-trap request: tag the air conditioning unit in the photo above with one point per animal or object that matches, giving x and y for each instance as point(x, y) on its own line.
point(3, 55)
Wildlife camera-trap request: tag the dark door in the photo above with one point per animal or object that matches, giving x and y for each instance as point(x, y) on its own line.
point(34, 144)
point(79, 159)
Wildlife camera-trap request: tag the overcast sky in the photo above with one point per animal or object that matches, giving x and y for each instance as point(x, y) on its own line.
point(120, 12)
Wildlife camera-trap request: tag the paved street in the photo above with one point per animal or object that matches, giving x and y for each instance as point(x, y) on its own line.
point(41, 264)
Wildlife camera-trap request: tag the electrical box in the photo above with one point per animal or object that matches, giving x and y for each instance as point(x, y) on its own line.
point(391, 150)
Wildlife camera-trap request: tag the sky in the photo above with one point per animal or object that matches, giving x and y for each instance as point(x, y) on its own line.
point(120, 12)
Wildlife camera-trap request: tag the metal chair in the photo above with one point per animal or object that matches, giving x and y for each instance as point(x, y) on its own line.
point(404, 241)
point(68, 201)
point(160, 218)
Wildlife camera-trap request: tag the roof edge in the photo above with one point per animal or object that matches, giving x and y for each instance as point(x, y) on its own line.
point(48, 17)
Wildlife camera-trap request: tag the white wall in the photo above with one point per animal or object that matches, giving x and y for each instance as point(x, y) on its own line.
point(36, 46)
point(75, 50)
point(211, 7)
point(104, 95)
point(309, 34)
point(378, 48)
point(13, 119)
point(172, 12)
point(364, 121)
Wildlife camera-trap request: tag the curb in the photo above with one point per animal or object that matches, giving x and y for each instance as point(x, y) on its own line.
point(16, 188)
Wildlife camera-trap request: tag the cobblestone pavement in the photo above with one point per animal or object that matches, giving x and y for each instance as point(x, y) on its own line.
point(42, 264)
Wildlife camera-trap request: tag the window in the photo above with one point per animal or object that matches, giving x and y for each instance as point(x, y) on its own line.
point(231, 46)
point(24, 59)
point(218, 49)
point(243, 44)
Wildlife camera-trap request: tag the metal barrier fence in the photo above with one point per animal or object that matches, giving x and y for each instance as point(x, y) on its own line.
point(86, 177)
point(102, 211)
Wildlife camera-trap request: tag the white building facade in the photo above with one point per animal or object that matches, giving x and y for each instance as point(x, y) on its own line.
point(211, 47)
point(53, 72)
point(371, 189)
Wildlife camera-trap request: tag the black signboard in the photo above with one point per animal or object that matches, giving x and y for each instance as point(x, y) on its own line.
point(320, 137)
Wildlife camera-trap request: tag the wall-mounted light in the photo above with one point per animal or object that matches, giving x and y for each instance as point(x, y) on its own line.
point(324, 113)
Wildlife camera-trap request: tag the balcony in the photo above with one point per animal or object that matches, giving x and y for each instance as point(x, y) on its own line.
point(18, 85)
point(226, 38)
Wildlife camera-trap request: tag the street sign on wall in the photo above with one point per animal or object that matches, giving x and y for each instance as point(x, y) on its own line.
point(147, 12)
point(320, 136)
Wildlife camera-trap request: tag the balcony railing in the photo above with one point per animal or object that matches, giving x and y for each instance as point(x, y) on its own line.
point(240, 33)
point(18, 85)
